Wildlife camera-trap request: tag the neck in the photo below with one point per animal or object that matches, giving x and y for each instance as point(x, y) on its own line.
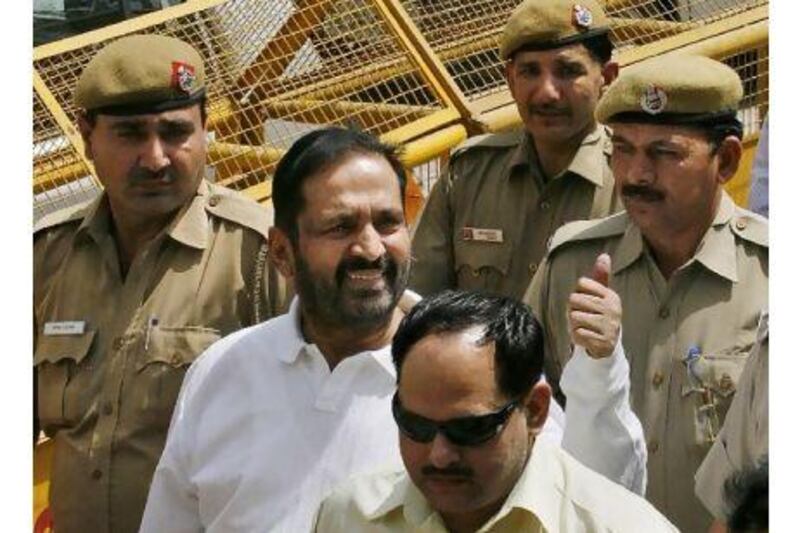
point(556, 156)
point(470, 522)
point(337, 341)
point(132, 234)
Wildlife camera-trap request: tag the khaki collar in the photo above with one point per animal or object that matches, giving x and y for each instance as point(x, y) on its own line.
point(589, 162)
point(717, 249)
point(189, 227)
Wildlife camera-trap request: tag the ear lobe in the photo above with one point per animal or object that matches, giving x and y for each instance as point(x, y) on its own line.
point(729, 154)
point(538, 406)
point(281, 252)
point(610, 72)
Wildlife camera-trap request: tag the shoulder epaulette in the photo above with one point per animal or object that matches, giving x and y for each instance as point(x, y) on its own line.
point(586, 230)
point(750, 227)
point(62, 216)
point(234, 206)
point(488, 140)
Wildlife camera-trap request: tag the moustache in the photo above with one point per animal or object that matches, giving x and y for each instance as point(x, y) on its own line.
point(142, 175)
point(384, 263)
point(548, 110)
point(643, 192)
point(454, 471)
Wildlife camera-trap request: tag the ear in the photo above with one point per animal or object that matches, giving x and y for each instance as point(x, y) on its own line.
point(85, 129)
point(281, 252)
point(510, 73)
point(537, 406)
point(729, 155)
point(610, 71)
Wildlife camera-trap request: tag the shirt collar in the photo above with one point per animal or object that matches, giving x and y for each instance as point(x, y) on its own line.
point(295, 344)
point(717, 249)
point(189, 227)
point(589, 161)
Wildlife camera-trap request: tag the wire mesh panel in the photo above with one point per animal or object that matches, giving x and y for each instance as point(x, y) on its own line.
point(276, 70)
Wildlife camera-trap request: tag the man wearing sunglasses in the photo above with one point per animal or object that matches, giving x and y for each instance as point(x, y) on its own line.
point(272, 418)
point(470, 407)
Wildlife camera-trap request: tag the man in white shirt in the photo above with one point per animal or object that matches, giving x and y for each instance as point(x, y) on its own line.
point(271, 418)
point(470, 409)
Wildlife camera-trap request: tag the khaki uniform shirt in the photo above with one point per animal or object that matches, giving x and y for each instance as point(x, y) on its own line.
point(744, 438)
point(488, 219)
point(687, 338)
point(107, 383)
point(554, 494)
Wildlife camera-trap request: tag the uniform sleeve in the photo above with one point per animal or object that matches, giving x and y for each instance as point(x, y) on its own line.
point(172, 503)
point(601, 430)
point(432, 244)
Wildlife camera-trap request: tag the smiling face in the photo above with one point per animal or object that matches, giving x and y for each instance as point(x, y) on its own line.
point(150, 165)
point(352, 255)
point(670, 177)
point(447, 376)
point(556, 91)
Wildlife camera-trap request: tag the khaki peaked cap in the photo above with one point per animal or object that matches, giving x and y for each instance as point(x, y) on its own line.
point(552, 23)
point(142, 73)
point(666, 87)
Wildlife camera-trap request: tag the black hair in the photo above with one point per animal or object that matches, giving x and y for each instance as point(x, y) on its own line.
point(598, 45)
point(747, 494)
point(510, 324)
point(313, 153)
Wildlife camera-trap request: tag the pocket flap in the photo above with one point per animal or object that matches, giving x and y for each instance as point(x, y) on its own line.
point(54, 348)
point(177, 346)
point(479, 255)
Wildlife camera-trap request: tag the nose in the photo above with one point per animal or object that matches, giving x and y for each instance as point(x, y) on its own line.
point(443, 452)
point(368, 244)
point(153, 155)
point(548, 90)
point(641, 170)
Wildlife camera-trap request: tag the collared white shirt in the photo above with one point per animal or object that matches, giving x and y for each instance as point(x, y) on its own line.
point(263, 431)
point(554, 494)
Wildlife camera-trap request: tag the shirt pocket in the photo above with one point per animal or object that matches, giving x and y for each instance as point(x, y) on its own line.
point(709, 386)
point(164, 358)
point(59, 361)
point(481, 266)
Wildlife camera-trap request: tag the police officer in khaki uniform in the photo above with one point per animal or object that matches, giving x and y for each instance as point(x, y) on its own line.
point(488, 219)
point(743, 440)
point(132, 287)
point(690, 266)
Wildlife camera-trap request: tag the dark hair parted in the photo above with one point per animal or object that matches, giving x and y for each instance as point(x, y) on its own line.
point(310, 155)
point(517, 336)
point(747, 494)
point(599, 47)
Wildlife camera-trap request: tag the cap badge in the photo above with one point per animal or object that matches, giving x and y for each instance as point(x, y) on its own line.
point(653, 100)
point(581, 16)
point(183, 76)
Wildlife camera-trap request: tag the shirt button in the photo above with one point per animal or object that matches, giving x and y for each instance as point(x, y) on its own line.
point(544, 205)
point(658, 379)
point(108, 408)
point(97, 474)
point(741, 223)
point(652, 446)
point(476, 272)
point(532, 268)
point(176, 359)
point(663, 312)
point(117, 344)
point(214, 200)
point(726, 383)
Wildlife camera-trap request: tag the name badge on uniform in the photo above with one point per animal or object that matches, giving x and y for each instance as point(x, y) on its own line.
point(481, 234)
point(69, 327)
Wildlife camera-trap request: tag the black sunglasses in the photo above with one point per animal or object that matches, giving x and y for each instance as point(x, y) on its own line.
point(466, 431)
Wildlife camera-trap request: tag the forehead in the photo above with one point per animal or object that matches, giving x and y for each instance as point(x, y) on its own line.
point(446, 372)
point(190, 114)
point(357, 181)
point(570, 53)
point(640, 133)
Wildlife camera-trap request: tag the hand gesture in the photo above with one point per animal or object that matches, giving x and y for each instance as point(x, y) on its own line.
point(594, 311)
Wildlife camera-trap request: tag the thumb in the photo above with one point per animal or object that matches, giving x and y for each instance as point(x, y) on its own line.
point(601, 271)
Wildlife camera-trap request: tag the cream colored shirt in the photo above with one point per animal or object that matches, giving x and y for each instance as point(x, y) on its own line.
point(744, 438)
point(488, 219)
point(708, 310)
point(110, 352)
point(555, 493)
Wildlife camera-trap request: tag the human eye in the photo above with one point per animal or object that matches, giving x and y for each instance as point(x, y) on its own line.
point(176, 131)
point(570, 70)
point(528, 70)
point(389, 222)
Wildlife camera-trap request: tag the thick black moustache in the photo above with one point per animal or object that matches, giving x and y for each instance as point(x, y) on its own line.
point(452, 471)
point(143, 175)
point(386, 266)
point(642, 191)
point(547, 111)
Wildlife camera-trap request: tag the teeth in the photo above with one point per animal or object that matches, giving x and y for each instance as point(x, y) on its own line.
point(364, 274)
